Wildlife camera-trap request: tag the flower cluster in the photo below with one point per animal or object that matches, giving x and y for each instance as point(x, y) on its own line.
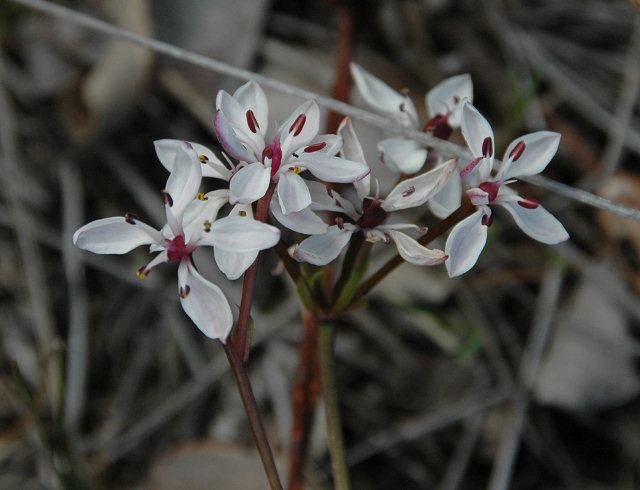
point(320, 185)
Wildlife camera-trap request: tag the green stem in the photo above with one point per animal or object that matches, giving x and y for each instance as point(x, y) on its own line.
point(251, 408)
point(332, 411)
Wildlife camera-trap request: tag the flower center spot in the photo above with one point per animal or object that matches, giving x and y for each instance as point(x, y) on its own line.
point(491, 188)
point(177, 249)
point(372, 214)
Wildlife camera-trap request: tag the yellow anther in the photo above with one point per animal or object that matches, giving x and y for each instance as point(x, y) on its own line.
point(242, 213)
point(207, 226)
point(296, 169)
point(203, 158)
point(142, 273)
point(201, 196)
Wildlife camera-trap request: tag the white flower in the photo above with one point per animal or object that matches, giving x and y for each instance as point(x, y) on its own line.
point(369, 214)
point(241, 124)
point(191, 223)
point(403, 155)
point(527, 155)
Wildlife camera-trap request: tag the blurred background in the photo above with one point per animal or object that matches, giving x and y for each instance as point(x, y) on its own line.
point(522, 374)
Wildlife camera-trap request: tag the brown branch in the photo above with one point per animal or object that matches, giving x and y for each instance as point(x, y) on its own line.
point(241, 334)
point(304, 398)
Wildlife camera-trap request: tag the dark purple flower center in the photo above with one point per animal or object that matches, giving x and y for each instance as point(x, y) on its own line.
point(439, 127)
point(372, 213)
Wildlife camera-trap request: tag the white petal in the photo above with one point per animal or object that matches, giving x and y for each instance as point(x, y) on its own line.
point(305, 221)
point(333, 169)
point(230, 140)
point(240, 234)
point(237, 115)
point(464, 244)
point(212, 165)
point(383, 98)
point(322, 249)
point(539, 149)
point(352, 150)
point(323, 198)
point(166, 150)
point(476, 130)
point(448, 96)
point(538, 223)
point(204, 303)
point(293, 193)
point(249, 184)
point(411, 251)
point(251, 97)
point(201, 211)
point(307, 116)
point(417, 190)
point(234, 264)
point(402, 155)
point(184, 180)
point(445, 202)
point(115, 236)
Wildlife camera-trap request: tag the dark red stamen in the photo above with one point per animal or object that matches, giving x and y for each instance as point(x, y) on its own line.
point(252, 122)
point(184, 291)
point(487, 147)
point(168, 200)
point(529, 203)
point(517, 151)
point(409, 191)
point(130, 218)
point(490, 188)
point(177, 248)
point(316, 147)
point(487, 219)
point(298, 124)
point(339, 222)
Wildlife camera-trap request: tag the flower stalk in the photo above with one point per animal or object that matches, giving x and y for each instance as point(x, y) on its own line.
point(331, 407)
point(242, 335)
point(251, 408)
point(304, 399)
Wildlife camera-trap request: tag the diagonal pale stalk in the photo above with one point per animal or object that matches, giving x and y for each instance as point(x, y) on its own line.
point(331, 408)
point(241, 375)
point(241, 335)
point(465, 210)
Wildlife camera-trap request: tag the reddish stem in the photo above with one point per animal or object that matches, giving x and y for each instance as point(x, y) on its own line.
point(304, 397)
point(241, 335)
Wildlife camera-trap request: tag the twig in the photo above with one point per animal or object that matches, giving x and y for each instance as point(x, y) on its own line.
point(444, 148)
point(625, 105)
point(437, 419)
point(78, 332)
point(239, 369)
point(332, 408)
point(32, 263)
point(460, 460)
point(544, 314)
